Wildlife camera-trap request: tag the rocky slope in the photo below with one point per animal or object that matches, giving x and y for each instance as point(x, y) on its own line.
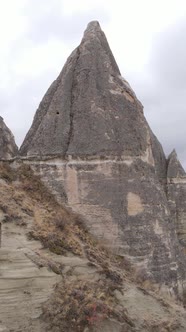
point(95, 291)
point(8, 148)
point(91, 145)
point(23, 286)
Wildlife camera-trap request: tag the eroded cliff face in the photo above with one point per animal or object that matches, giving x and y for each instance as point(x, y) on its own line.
point(8, 148)
point(66, 281)
point(125, 207)
point(176, 192)
point(93, 148)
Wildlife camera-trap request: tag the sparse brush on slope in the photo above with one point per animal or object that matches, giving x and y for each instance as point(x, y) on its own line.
point(62, 232)
point(78, 303)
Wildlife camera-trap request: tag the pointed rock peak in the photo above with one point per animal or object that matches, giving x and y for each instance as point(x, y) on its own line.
point(173, 154)
point(94, 41)
point(174, 168)
point(93, 28)
point(89, 110)
point(8, 147)
point(93, 31)
point(2, 121)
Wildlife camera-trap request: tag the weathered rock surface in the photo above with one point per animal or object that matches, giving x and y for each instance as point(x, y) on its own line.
point(26, 283)
point(8, 148)
point(174, 168)
point(176, 191)
point(125, 207)
point(90, 110)
point(90, 137)
point(24, 287)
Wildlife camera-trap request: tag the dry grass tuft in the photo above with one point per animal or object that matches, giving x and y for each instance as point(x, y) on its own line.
point(6, 173)
point(75, 305)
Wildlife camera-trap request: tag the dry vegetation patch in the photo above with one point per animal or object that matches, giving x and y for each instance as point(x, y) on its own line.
point(75, 305)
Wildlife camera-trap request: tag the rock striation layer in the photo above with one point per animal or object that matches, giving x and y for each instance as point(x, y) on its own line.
point(23, 286)
point(8, 148)
point(93, 147)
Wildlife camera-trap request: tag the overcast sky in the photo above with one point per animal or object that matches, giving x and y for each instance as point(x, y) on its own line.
point(147, 38)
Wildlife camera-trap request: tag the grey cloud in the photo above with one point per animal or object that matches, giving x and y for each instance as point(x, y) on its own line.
point(49, 21)
point(20, 105)
point(163, 94)
point(171, 55)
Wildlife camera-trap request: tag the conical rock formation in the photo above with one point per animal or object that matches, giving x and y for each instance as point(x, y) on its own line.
point(92, 146)
point(90, 110)
point(8, 148)
point(174, 168)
